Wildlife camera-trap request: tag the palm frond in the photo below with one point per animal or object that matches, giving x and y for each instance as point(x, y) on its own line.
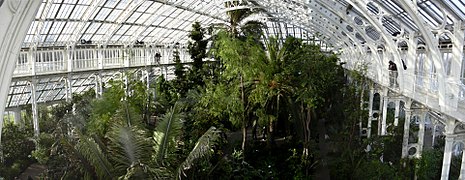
point(253, 28)
point(143, 171)
point(91, 151)
point(128, 147)
point(166, 132)
point(203, 149)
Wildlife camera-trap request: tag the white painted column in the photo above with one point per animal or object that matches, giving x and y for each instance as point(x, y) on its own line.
point(362, 103)
point(99, 82)
point(383, 121)
point(147, 78)
point(434, 134)
point(408, 114)
point(462, 166)
point(447, 157)
point(17, 116)
point(127, 56)
point(69, 80)
point(449, 142)
point(16, 18)
point(100, 58)
point(370, 112)
point(421, 133)
point(35, 111)
point(396, 112)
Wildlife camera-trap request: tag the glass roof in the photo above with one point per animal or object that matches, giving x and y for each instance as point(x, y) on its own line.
point(66, 22)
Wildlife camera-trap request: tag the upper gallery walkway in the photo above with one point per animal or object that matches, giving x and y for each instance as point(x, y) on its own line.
point(54, 74)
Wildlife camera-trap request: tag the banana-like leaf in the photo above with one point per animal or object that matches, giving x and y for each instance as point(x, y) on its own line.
point(203, 150)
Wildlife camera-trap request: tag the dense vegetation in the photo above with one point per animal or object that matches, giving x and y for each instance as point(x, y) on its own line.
point(260, 111)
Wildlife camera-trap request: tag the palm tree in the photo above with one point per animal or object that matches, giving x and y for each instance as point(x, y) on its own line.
point(131, 154)
point(271, 87)
point(238, 11)
point(238, 48)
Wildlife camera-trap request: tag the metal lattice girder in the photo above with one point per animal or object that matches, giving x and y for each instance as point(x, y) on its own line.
point(131, 6)
point(80, 28)
point(290, 14)
point(288, 18)
point(68, 22)
point(44, 11)
point(333, 15)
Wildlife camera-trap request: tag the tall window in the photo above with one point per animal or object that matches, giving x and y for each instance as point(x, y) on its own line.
point(462, 77)
point(420, 68)
point(446, 60)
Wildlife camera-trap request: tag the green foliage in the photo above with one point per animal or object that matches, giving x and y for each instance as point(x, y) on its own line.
point(198, 51)
point(180, 82)
point(166, 134)
point(17, 146)
point(429, 165)
point(202, 151)
point(104, 108)
point(217, 103)
point(239, 56)
point(130, 152)
point(278, 85)
point(92, 153)
point(373, 169)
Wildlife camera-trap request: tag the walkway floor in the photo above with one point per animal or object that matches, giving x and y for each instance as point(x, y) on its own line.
point(32, 171)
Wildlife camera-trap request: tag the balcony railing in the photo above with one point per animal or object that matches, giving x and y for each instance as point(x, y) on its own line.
point(60, 61)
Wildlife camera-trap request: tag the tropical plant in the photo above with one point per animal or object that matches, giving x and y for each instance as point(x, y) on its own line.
point(237, 20)
point(271, 87)
point(198, 51)
point(16, 146)
point(239, 57)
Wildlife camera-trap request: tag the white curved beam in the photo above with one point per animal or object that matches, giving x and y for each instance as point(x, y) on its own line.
point(294, 16)
point(344, 21)
point(434, 53)
point(391, 46)
point(16, 18)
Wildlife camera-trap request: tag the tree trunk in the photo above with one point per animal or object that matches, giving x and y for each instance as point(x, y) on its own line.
point(244, 123)
point(270, 134)
point(304, 130)
point(307, 117)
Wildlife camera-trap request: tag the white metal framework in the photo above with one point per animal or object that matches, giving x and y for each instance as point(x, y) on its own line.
point(424, 38)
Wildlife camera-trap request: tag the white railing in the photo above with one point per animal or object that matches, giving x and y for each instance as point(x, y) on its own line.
point(139, 57)
point(112, 57)
point(84, 59)
point(427, 83)
point(23, 66)
point(32, 63)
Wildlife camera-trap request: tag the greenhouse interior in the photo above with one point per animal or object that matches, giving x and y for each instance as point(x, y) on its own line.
point(232, 89)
